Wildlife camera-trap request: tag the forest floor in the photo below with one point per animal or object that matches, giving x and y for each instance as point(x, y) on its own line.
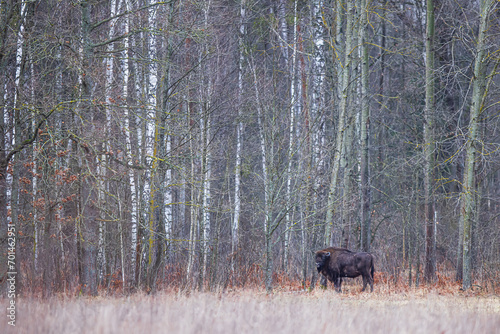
point(387, 310)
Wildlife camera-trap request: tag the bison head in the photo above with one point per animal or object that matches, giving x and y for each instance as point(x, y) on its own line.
point(322, 258)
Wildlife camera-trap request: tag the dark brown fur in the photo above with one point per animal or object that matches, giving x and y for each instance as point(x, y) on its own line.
point(335, 263)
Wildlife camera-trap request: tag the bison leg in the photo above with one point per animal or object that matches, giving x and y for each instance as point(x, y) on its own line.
point(323, 282)
point(364, 283)
point(371, 279)
point(367, 279)
point(338, 284)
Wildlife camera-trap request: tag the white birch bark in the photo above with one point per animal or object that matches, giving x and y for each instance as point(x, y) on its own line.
point(168, 192)
point(193, 208)
point(128, 153)
point(12, 177)
point(205, 203)
point(137, 196)
point(150, 134)
point(239, 139)
point(291, 133)
point(205, 157)
point(11, 140)
point(168, 197)
point(19, 53)
point(34, 179)
point(318, 78)
point(9, 143)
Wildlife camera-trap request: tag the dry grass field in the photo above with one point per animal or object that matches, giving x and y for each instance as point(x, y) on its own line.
point(252, 311)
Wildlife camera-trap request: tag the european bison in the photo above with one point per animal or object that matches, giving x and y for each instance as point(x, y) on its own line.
point(336, 263)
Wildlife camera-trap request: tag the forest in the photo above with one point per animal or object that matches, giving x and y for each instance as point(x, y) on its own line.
point(216, 144)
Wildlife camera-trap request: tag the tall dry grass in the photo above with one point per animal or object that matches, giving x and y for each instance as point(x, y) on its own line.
point(252, 311)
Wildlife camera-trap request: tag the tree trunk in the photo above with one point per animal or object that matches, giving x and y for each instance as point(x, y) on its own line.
point(474, 139)
point(347, 163)
point(86, 81)
point(365, 183)
point(129, 154)
point(343, 94)
point(430, 238)
point(265, 155)
point(193, 199)
point(239, 143)
point(166, 108)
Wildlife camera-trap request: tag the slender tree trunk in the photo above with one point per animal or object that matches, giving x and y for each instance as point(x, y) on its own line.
point(193, 197)
point(166, 137)
point(239, 142)
point(138, 93)
point(316, 115)
point(152, 143)
point(86, 83)
point(430, 238)
point(205, 159)
point(347, 163)
point(460, 245)
point(13, 183)
point(63, 162)
point(365, 133)
point(101, 167)
point(479, 91)
point(129, 154)
point(417, 231)
point(205, 192)
point(344, 80)
point(291, 131)
point(304, 167)
point(268, 268)
point(122, 246)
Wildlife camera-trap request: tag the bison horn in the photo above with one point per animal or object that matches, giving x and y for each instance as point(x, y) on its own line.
point(327, 254)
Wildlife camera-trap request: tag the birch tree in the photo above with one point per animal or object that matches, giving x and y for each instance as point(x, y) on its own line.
point(239, 137)
point(128, 147)
point(11, 120)
point(101, 173)
point(289, 65)
point(151, 135)
point(205, 163)
point(15, 141)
